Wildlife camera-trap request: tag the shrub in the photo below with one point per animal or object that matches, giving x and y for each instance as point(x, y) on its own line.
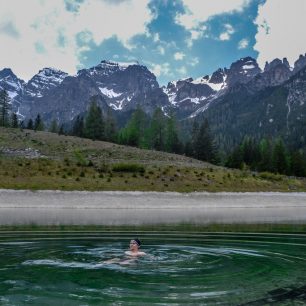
point(128, 168)
point(81, 160)
point(270, 176)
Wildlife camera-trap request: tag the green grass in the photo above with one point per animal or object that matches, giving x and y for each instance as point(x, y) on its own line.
point(71, 163)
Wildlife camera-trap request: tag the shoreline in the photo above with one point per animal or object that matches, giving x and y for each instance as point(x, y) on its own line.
point(116, 208)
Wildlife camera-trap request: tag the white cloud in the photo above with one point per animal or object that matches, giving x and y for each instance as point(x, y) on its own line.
point(163, 69)
point(161, 50)
point(243, 43)
point(197, 12)
point(281, 30)
point(182, 71)
point(194, 61)
point(45, 35)
point(226, 35)
point(178, 56)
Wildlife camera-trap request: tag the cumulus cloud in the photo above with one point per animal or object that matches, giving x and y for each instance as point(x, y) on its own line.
point(281, 30)
point(182, 71)
point(243, 43)
point(193, 61)
point(46, 35)
point(197, 12)
point(178, 56)
point(226, 35)
point(161, 69)
point(161, 50)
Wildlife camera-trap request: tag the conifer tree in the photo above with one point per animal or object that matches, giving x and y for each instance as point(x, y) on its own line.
point(134, 132)
point(203, 146)
point(110, 127)
point(298, 164)
point(30, 124)
point(94, 125)
point(53, 126)
point(4, 108)
point(14, 121)
point(78, 127)
point(157, 130)
point(280, 158)
point(172, 141)
point(235, 159)
point(38, 125)
point(265, 150)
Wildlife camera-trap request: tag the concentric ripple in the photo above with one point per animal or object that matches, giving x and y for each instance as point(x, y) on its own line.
point(90, 268)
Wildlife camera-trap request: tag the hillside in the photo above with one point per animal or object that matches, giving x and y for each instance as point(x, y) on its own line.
point(42, 160)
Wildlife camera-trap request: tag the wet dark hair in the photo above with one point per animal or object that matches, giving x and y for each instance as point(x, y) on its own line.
point(137, 241)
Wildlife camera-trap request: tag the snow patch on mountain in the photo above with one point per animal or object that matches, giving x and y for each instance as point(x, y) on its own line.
point(110, 93)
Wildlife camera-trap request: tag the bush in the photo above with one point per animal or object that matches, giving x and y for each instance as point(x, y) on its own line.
point(128, 168)
point(270, 176)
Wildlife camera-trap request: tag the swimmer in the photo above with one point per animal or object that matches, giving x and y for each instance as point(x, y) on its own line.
point(134, 248)
point(132, 254)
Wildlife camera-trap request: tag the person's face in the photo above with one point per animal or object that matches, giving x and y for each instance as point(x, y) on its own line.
point(133, 245)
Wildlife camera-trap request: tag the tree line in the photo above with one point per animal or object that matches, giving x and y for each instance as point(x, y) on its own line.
point(267, 155)
point(162, 132)
point(7, 117)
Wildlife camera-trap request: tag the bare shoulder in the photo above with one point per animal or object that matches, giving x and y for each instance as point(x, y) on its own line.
point(129, 253)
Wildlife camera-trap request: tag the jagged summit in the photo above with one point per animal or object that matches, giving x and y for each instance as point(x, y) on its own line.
point(122, 86)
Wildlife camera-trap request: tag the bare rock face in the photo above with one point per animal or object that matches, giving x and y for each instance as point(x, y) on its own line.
point(242, 71)
point(299, 63)
point(14, 87)
point(121, 87)
point(277, 72)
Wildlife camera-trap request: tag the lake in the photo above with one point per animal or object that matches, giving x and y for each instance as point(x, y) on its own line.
point(181, 268)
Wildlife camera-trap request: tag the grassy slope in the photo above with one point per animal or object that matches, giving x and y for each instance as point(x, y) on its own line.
point(72, 163)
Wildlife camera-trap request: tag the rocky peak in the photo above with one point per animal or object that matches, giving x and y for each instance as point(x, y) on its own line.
point(242, 71)
point(276, 72)
point(299, 63)
point(44, 80)
point(106, 68)
point(217, 77)
point(277, 63)
point(11, 83)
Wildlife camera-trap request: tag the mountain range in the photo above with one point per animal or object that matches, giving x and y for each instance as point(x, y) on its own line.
point(240, 100)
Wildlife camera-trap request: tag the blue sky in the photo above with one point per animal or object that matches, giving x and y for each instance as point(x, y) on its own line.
point(174, 39)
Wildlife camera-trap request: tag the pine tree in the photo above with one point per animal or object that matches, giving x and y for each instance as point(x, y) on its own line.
point(157, 130)
point(298, 164)
point(110, 127)
point(94, 125)
point(134, 132)
point(78, 127)
point(61, 130)
point(53, 126)
point(235, 159)
point(30, 124)
point(38, 125)
point(280, 158)
point(4, 108)
point(172, 141)
point(14, 121)
point(203, 146)
point(265, 151)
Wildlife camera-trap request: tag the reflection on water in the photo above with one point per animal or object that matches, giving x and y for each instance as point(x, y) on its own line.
point(180, 268)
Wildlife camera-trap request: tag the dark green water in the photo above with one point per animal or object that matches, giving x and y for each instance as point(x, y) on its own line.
point(182, 268)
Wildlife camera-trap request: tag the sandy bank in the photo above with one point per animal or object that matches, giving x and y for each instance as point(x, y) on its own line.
point(130, 208)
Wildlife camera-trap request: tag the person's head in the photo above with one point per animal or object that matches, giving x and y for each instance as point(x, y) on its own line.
point(135, 244)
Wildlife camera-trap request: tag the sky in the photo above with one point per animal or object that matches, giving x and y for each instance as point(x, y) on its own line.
point(174, 38)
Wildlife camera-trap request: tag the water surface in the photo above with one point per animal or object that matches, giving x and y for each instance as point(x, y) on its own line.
point(181, 268)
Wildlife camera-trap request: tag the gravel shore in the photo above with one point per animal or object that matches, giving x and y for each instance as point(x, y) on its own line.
point(23, 207)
